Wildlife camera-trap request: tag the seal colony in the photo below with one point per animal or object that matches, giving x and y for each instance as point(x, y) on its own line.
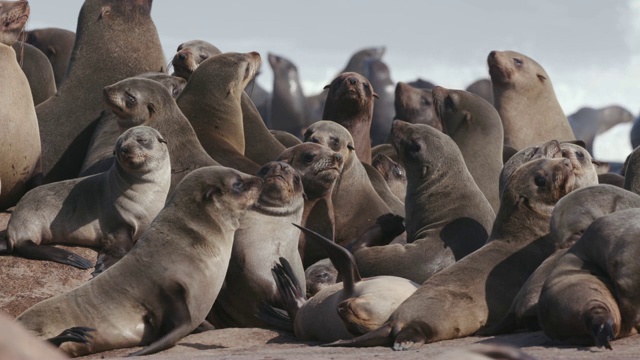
point(205, 211)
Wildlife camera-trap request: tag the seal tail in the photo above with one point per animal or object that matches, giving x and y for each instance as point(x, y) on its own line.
point(274, 317)
point(291, 293)
point(378, 337)
point(78, 334)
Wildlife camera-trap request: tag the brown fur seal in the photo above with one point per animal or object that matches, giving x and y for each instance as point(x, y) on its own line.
point(57, 45)
point(393, 173)
point(478, 289)
point(379, 76)
point(588, 122)
point(591, 296)
point(288, 111)
point(319, 276)
point(265, 235)
point(37, 68)
point(190, 55)
point(344, 310)
point(525, 99)
point(212, 103)
point(20, 145)
point(356, 203)
point(135, 105)
point(567, 226)
point(632, 172)
point(285, 138)
point(447, 217)
point(415, 106)
point(107, 211)
point(320, 168)
point(476, 128)
point(482, 88)
point(116, 40)
point(165, 286)
point(350, 104)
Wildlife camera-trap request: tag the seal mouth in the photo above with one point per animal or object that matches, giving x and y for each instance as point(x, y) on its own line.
point(136, 160)
point(276, 177)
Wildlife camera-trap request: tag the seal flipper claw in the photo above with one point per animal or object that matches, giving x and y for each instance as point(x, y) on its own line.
point(603, 333)
point(78, 334)
point(30, 250)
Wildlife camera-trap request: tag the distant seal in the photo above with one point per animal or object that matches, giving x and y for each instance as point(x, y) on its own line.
point(482, 88)
point(478, 289)
point(442, 229)
point(476, 128)
point(420, 83)
point(116, 40)
point(20, 146)
point(135, 105)
point(379, 76)
point(286, 139)
point(212, 103)
point(57, 45)
point(107, 211)
point(350, 104)
point(38, 70)
point(247, 283)
point(590, 296)
point(190, 55)
point(287, 101)
point(393, 173)
point(165, 286)
point(415, 106)
point(525, 99)
point(588, 122)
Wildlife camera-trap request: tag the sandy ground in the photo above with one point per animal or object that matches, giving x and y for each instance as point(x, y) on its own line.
point(26, 282)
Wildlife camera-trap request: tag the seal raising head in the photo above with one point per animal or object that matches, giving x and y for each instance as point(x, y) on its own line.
point(189, 56)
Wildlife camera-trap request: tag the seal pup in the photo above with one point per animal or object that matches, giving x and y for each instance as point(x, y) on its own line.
point(525, 99)
point(135, 105)
point(591, 295)
point(415, 106)
point(108, 211)
point(393, 173)
point(567, 226)
point(447, 216)
point(57, 45)
point(115, 40)
point(475, 126)
point(350, 104)
point(319, 276)
point(212, 103)
point(356, 203)
point(165, 286)
point(320, 168)
point(20, 145)
point(38, 71)
point(344, 310)
point(482, 88)
point(265, 235)
point(478, 289)
point(287, 101)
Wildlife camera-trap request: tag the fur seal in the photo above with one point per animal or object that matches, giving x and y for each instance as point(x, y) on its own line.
point(319, 276)
point(482, 88)
point(415, 106)
point(287, 101)
point(37, 68)
point(212, 103)
point(588, 122)
point(393, 173)
point(478, 289)
point(115, 40)
point(20, 145)
point(247, 283)
point(350, 104)
point(57, 45)
point(379, 76)
point(190, 55)
point(421, 83)
point(475, 126)
point(286, 139)
point(525, 99)
point(344, 310)
point(632, 172)
point(132, 104)
point(567, 226)
point(320, 168)
point(591, 295)
point(107, 211)
point(356, 203)
point(165, 286)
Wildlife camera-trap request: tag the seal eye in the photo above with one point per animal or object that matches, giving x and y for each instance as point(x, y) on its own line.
point(579, 155)
point(540, 181)
point(397, 171)
point(247, 71)
point(308, 157)
point(131, 100)
point(238, 186)
point(204, 57)
point(414, 147)
point(142, 141)
point(518, 62)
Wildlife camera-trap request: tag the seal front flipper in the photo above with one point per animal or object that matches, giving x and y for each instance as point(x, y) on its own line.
point(291, 292)
point(30, 250)
point(601, 330)
point(379, 337)
point(276, 318)
point(78, 334)
point(115, 247)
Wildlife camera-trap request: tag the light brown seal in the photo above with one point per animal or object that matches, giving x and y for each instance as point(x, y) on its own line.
point(18, 343)
point(482, 88)
point(350, 104)
point(37, 68)
point(478, 289)
point(447, 217)
point(116, 40)
point(475, 126)
point(165, 286)
point(57, 45)
point(415, 106)
point(108, 211)
point(20, 145)
point(525, 99)
point(265, 236)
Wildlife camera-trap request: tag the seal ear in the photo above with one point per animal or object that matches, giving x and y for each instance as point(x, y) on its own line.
point(376, 96)
point(326, 87)
point(350, 147)
point(105, 12)
point(51, 50)
point(161, 140)
point(601, 166)
point(306, 134)
point(542, 77)
point(467, 117)
point(213, 191)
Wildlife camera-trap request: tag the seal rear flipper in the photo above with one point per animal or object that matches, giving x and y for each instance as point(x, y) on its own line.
point(78, 334)
point(275, 318)
point(291, 292)
point(30, 250)
point(379, 337)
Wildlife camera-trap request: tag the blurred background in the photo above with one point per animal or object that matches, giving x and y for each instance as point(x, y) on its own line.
point(590, 49)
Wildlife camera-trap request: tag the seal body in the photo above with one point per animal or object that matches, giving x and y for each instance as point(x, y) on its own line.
point(288, 101)
point(38, 70)
point(165, 286)
point(415, 105)
point(57, 45)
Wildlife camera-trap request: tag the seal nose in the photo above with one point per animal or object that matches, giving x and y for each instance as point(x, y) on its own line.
point(567, 164)
point(337, 157)
point(182, 56)
point(353, 80)
point(492, 54)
